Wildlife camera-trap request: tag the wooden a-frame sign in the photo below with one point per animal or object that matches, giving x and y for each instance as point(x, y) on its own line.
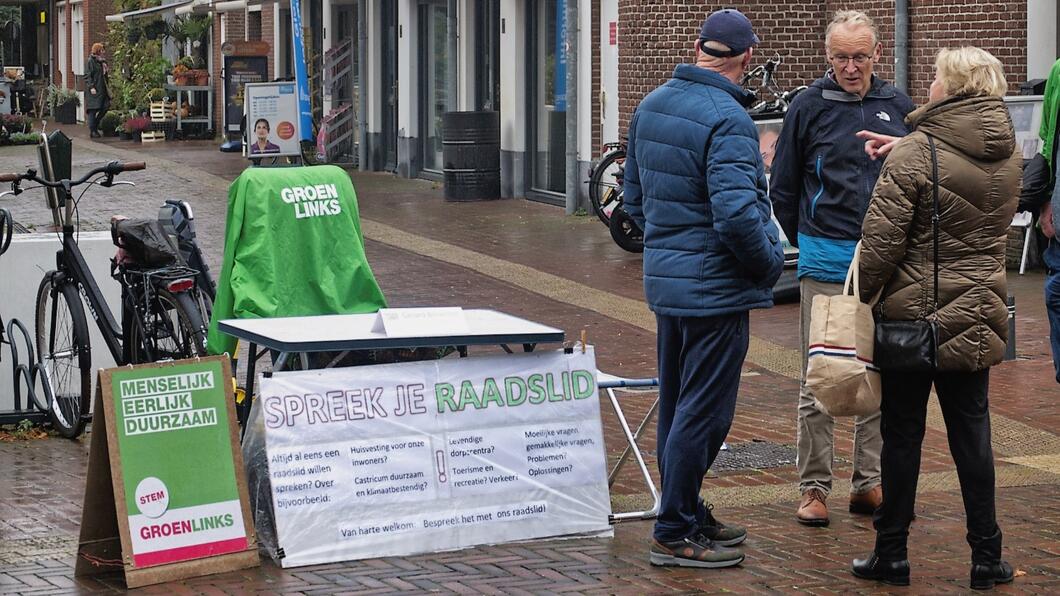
point(164, 442)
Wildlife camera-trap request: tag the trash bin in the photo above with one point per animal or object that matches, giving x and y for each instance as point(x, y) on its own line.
point(471, 155)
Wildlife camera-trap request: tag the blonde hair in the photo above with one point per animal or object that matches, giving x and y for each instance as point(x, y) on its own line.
point(851, 18)
point(970, 71)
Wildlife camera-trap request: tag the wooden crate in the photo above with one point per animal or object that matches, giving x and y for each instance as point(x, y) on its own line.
point(152, 136)
point(162, 111)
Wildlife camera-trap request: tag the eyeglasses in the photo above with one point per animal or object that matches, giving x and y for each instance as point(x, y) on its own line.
point(859, 59)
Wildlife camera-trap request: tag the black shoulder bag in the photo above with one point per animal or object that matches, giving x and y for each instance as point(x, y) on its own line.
point(910, 346)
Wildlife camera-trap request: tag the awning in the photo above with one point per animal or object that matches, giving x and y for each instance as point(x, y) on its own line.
point(208, 6)
point(146, 12)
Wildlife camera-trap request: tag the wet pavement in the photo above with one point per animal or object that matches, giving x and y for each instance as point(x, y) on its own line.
point(530, 260)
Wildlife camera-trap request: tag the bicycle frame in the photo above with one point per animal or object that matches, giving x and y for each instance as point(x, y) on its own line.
point(70, 263)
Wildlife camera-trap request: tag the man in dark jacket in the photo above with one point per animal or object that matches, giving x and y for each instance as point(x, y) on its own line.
point(820, 186)
point(696, 185)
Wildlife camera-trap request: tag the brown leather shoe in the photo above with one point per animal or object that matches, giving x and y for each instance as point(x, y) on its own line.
point(812, 510)
point(866, 503)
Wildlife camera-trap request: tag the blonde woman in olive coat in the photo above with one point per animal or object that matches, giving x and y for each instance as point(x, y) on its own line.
point(979, 170)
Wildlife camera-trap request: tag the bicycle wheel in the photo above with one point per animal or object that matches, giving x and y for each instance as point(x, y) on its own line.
point(625, 233)
point(64, 355)
point(174, 329)
point(605, 188)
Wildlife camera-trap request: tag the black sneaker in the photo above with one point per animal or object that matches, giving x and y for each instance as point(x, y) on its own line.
point(694, 551)
point(723, 534)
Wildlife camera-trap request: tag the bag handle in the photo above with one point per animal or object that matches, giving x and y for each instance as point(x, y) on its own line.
point(934, 222)
point(853, 273)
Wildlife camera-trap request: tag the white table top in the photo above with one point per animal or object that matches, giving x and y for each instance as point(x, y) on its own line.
point(354, 332)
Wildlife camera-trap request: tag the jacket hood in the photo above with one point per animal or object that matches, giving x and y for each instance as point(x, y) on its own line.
point(979, 126)
point(831, 90)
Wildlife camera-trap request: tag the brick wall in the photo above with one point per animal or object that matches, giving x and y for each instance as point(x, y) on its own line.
point(268, 16)
point(657, 36)
point(235, 30)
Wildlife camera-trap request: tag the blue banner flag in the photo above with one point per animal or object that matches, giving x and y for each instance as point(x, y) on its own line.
point(301, 80)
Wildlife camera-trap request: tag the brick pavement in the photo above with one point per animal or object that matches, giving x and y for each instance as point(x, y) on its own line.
point(530, 260)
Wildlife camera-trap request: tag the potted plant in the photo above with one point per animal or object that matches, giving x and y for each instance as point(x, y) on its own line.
point(122, 133)
point(62, 103)
point(136, 125)
point(109, 124)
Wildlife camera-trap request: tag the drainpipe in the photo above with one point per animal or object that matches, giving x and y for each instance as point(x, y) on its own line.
point(573, 185)
point(362, 84)
point(901, 45)
point(450, 62)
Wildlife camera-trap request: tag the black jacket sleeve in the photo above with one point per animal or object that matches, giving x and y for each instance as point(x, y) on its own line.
point(785, 177)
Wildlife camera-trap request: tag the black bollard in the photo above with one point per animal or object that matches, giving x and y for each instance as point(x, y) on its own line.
point(1010, 347)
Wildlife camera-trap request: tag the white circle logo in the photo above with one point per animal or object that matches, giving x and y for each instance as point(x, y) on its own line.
point(152, 497)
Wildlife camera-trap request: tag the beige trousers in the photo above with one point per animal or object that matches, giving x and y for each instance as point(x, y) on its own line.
point(814, 435)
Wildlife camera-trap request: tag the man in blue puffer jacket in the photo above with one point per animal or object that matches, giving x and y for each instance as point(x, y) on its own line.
point(820, 184)
point(695, 183)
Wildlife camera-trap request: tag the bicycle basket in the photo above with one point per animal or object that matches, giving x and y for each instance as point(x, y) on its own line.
point(145, 242)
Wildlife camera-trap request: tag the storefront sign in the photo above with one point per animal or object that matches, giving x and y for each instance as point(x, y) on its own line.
point(301, 78)
point(241, 47)
point(560, 77)
point(240, 70)
point(166, 497)
point(272, 119)
point(405, 458)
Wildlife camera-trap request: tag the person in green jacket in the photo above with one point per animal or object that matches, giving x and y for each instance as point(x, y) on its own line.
point(97, 97)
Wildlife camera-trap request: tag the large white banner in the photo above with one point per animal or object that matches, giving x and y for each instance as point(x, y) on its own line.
point(418, 457)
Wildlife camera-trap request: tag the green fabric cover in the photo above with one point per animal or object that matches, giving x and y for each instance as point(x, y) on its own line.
point(1050, 103)
point(293, 247)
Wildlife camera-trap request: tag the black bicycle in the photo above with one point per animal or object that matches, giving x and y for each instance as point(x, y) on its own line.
point(162, 311)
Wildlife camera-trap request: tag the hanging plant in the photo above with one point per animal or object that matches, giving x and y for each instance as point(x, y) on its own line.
point(155, 29)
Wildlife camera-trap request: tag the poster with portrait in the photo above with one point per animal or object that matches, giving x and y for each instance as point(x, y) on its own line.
point(1026, 114)
point(768, 133)
point(271, 110)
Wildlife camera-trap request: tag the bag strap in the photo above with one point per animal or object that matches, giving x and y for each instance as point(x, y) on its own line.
point(853, 273)
point(935, 220)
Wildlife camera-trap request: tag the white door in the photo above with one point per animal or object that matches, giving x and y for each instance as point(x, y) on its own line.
point(61, 34)
point(609, 40)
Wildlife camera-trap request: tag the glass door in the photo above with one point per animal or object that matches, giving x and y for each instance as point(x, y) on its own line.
point(389, 88)
point(487, 55)
point(433, 83)
point(547, 106)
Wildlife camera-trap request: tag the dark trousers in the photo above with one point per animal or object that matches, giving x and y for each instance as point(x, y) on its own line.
point(1052, 299)
point(965, 408)
point(699, 375)
point(94, 117)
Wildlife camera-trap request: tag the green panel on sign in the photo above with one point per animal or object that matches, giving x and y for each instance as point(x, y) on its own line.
point(172, 424)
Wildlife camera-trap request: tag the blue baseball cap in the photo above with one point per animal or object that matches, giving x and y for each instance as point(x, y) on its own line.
point(730, 27)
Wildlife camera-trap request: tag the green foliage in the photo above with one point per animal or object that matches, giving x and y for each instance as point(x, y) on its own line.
point(58, 96)
point(136, 68)
point(109, 124)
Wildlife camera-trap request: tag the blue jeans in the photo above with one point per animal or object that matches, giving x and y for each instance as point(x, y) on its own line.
point(699, 376)
point(1052, 300)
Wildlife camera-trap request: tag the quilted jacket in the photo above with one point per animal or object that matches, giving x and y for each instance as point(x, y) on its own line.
point(979, 170)
point(695, 183)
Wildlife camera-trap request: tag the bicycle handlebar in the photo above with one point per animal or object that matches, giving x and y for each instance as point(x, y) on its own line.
point(111, 169)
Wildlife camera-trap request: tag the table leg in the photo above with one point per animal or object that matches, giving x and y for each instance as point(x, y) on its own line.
point(248, 398)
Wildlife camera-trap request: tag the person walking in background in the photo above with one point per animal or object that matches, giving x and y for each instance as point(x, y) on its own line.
point(967, 127)
point(695, 183)
point(97, 96)
point(1043, 199)
point(820, 188)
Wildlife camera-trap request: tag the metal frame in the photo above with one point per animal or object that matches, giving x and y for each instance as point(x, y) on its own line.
point(609, 383)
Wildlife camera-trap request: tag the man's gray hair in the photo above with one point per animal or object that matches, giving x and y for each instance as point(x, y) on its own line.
point(851, 18)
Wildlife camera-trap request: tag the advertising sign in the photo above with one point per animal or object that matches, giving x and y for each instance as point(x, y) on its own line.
point(240, 70)
point(405, 458)
point(166, 496)
point(301, 77)
point(272, 119)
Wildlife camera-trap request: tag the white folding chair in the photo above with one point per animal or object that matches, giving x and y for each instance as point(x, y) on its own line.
point(1024, 219)
point(609, 383)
